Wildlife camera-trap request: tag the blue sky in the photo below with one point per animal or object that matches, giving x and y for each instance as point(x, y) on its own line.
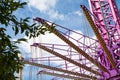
point(63, 12)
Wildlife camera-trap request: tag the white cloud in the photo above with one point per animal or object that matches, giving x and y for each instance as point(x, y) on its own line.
point(47, 38)
point(42, 5)
point(53, 39)
point(78, 13)
point(55, 15)
point(46, 7)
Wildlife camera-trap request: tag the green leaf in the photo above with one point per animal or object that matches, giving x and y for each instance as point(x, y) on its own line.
point(24, 3)
point(16, 30)
point(26, 19)
point(22, 39)
point(27, 33)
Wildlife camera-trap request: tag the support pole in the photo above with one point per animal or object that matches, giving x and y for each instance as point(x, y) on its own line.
point(100, 39)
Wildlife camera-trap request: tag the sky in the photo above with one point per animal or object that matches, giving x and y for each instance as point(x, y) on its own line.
point(63, 12)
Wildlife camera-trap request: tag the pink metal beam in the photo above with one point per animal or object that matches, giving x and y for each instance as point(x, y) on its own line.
point(67, 59)
point(57, 33)
point(61, 75)
point(101, 41)
point(58, 69)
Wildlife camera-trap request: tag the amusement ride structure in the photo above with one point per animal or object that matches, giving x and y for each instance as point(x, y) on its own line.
point(83, 57)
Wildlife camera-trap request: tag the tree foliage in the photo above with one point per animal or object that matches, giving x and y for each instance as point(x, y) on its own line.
point(9, 59)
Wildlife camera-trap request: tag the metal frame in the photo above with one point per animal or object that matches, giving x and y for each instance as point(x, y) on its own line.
point(101, 58)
